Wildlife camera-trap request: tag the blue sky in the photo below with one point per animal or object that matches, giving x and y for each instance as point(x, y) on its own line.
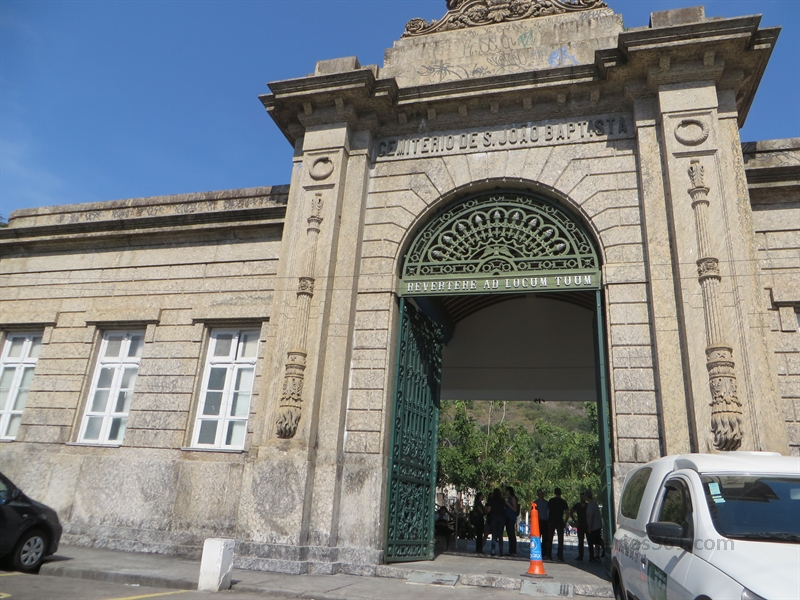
point(101, 100)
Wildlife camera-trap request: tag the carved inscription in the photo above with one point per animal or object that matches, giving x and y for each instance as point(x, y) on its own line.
point(498, 285)
point(550, 133)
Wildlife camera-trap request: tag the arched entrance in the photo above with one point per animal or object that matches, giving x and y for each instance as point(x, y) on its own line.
point(479, 251)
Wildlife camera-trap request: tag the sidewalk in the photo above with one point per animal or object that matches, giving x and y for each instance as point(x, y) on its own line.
point(450, 575)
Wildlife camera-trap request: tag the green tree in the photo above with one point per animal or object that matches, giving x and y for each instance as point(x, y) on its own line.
point(482, 456)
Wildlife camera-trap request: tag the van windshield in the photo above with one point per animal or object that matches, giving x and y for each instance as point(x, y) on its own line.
point(755, 507)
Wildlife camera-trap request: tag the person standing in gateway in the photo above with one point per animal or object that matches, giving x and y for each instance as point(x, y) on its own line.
point(511, 514)
point(578, 514)
point(541, 508)
point(557, 509)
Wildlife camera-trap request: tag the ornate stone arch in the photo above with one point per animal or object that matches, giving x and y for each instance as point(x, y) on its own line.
point(508, 233)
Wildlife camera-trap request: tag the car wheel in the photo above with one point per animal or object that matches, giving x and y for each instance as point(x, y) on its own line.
point(30, 551)
point(619, 591)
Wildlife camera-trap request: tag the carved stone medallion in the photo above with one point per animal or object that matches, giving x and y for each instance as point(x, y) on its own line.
point(692, 132)
point(321, 168)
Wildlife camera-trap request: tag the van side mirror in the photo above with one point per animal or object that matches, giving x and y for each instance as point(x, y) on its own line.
point(668, 534)
point(15, 493)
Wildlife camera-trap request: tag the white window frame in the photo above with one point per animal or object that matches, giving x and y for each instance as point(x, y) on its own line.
point(16, 392)
point(233, 363)
point(109, 417)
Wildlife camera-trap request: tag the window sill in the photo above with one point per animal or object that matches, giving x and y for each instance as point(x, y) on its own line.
point(90, 445)
point(225, 450)
point(7, 440)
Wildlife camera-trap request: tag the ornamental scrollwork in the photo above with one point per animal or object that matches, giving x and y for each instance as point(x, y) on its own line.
point(500, 235)
point(708, 267)
point(475, 13)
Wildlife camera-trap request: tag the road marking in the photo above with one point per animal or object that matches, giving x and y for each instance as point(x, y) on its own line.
point(151, 595)
point(4, 595)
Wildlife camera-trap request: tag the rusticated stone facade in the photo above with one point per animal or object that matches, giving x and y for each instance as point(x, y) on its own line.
point(634, 133)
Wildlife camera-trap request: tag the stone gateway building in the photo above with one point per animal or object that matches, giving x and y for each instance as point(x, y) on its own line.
point(526, 201)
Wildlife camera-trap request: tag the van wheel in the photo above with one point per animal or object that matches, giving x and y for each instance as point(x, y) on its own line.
point(619, 592)
point(30, 550)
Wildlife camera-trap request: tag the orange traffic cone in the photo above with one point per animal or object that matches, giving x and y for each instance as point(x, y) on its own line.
point(537, 566)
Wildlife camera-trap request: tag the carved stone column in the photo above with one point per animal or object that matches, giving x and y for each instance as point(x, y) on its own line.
point(291, 402)
point(726, 408)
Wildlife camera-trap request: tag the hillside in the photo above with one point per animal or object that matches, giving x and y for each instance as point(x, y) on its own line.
point(569, 415)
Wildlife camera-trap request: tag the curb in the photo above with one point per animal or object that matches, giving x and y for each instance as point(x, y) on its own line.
point(58, 570)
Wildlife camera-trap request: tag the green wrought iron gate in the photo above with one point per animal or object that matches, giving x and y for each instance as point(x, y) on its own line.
point(414, 438)
point(606, 494)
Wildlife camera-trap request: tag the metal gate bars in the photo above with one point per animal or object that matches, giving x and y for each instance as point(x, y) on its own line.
point(414, 438)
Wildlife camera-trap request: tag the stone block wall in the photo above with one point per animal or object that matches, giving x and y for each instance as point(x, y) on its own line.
point(174, 267)
point(773, 174)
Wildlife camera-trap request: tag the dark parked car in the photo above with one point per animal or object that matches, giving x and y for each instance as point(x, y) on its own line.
point(29, 530)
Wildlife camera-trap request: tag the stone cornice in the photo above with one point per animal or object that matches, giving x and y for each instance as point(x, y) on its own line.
point(476, 13)
point(146, 216)
point(731, 52)
point(773, 170)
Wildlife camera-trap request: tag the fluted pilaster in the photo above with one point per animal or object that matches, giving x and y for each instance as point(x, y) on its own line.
point(291, 401)
point(726, 408)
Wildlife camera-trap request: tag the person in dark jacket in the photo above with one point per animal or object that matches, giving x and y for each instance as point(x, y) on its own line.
point(511, 514)
point(557, 509)
point(594, 529)
point(497, 518)
point(541, 508)
point(478, 519)
point(578, 514)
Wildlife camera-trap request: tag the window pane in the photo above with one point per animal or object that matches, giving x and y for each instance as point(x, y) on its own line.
point(675, 509)
point(13, 426)
point(244, 380)
point(634, 491)
point(235, 435)
point(216, 379)
point(5, 385)
point(249, 344)
point(240, 403)
point(129, 378)
point(123, 401)
point(213, 403)
point(93, 425)
point(135, 348)
point(117, 429)
point(17, 344)
point(24, 386)
point(208, 432)
point(223, 345)
point(106, 376)
point(100, 401)
point(114, 346)
point(36, 346)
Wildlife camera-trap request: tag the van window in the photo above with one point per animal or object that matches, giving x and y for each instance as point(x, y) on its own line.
point(754, 507)
point(633, 493)
point(676, 506)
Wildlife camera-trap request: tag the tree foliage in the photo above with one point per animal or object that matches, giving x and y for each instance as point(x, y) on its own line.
point(482, 456)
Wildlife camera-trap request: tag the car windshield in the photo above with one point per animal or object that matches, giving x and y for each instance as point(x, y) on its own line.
point(755, 507)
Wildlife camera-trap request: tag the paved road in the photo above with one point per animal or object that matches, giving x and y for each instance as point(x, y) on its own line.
point(18, 586)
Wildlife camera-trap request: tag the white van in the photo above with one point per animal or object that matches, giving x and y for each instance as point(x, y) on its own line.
point(709, 526)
